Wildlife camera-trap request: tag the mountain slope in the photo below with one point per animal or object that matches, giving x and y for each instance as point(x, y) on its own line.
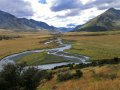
point(76, 28)
point(8, 21)
point(109, 20)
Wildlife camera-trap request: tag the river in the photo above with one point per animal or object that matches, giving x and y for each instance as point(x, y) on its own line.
point(55, 51)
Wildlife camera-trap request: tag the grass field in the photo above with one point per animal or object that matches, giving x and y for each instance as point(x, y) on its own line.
point(102, 45)
point(94, 78)
point(29, 41)
point(41, 58)
point(97, 46)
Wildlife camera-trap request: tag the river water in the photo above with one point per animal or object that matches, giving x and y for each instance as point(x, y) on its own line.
point(55, 51)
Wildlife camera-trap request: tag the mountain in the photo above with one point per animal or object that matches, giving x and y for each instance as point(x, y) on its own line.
point(9, 21)
point(109, 20)
point(64, 29)
point(76, 28)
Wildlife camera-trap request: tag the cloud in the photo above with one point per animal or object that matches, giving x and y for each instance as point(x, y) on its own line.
point(18, 8)
point(70, 13)
point(104, 4)
point(59, 5)
point(60, 13)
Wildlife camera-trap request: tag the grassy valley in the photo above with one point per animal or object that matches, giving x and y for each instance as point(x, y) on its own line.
point(59, 45)
point(27, 41)
point(97, 45)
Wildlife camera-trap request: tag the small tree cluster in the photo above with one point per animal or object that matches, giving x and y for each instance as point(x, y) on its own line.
point(17, 77)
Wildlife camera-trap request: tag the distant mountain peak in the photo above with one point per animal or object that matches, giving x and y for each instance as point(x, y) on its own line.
point(111, 9)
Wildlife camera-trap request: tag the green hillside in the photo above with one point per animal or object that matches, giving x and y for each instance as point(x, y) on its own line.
point(109, 20)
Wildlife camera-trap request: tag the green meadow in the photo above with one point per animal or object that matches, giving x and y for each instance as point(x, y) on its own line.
point(104, 45)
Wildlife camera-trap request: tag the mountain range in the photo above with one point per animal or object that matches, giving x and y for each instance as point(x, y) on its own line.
point(9, 21)
point(109, 20)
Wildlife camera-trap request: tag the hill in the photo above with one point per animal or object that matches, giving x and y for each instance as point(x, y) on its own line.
point(9, 21)
point(109, 20)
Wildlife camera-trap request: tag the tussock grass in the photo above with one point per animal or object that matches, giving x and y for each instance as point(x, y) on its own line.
point(95, 45)
point(29, 41)
point(88, 81)
point(40, 59)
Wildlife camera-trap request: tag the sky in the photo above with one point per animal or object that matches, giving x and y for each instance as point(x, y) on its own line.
point(59, 13)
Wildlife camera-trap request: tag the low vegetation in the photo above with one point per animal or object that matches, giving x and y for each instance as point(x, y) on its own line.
point(103, 73)
point(29, 41)
point(66, 75)
point(40, 59)
point(102, 77)
point(16, 77)
point(97, 46)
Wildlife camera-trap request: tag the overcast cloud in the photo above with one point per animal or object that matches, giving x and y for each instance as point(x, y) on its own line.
point(19, 8)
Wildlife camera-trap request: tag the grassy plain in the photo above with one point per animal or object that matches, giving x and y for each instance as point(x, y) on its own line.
point(94, 78)
point(102, 45)
point(97, 45)
point(41, 58)
point(28, 41)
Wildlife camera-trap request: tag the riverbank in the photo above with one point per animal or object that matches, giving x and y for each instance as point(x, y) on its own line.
point(96, 45)
point(70, 58)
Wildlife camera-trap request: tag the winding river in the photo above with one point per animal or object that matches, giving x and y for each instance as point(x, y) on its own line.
point(55, 51)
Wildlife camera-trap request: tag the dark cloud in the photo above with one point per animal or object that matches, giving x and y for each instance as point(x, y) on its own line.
point(104, 4)
point(60, 5)
point(75, 6)
point(18, 8)
point(71, 13)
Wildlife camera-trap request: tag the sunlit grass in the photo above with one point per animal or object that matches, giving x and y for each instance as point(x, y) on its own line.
point(88, 81)
point(41, 58)
point(95, 46)
point(29, 41)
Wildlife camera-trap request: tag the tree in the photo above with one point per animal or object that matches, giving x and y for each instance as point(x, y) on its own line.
point(18, 77)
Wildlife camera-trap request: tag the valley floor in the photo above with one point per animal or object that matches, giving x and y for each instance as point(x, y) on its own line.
point(97, 46)
point(27, 41)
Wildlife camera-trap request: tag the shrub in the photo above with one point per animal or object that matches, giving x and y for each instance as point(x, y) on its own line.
point(78, 74)
point(17, 77)
point(63, 76)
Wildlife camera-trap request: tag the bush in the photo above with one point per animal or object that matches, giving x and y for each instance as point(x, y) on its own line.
point(63, 76)
point(78, 74)
point(16, 77)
